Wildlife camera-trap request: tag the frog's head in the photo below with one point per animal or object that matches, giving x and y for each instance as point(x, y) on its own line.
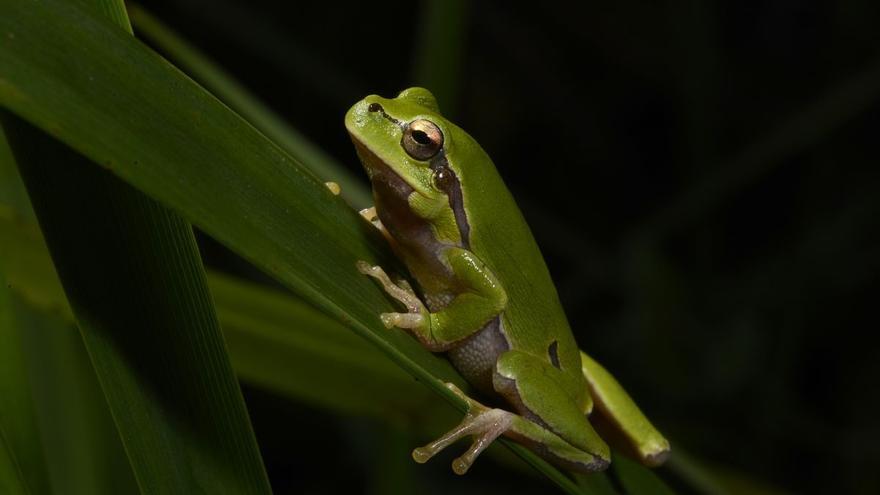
point(405, 135)
point(409, 150)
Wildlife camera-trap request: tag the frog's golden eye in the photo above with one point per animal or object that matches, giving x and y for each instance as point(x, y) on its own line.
point(422, 139)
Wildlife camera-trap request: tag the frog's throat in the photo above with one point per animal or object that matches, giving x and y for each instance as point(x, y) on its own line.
point(375, 166)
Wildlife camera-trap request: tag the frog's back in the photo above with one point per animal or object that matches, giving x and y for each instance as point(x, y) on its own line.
point(534, 320)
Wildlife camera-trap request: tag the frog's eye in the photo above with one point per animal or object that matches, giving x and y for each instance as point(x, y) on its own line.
point(422, 139)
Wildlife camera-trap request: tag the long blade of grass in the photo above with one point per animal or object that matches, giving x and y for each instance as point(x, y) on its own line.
point(11, 478)
point(231, 92)
point(12, 193)
point(316, 360)
point(159, 131)
point(84, 454)
point(636, 478)
point(261, 36)
point(596, 484)
point(275, 341)
point(132, 274)
point(22, 464)
point(153, 127)
point(43, 352)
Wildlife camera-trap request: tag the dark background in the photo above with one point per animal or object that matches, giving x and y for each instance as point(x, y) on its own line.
point(701, 176)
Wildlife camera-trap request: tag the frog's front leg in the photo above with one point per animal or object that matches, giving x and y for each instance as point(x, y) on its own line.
point(480, 299)
point(417, 312)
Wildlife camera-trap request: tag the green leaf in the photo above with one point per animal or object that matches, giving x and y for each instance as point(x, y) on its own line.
point(596, 484)
point(132, 274)
point(83, 451)
point(12, 193)
point(22, 465)
point(11, 479)
point(275, 341)
point(283, 344)
point(25, 262)
point(231, 92)
point(637, 479)
point(157, 130)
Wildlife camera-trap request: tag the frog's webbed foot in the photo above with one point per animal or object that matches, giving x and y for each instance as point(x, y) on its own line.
point(417, 312)
point(481, 422)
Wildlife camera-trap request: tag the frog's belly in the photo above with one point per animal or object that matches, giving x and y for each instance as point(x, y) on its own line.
point(476, 356)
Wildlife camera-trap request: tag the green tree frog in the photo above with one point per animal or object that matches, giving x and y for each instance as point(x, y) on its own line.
point(483, 294)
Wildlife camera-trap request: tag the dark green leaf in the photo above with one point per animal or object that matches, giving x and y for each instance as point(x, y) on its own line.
point(22, 465)
point(84, 454)
point(133, 277)
point(637, 479)
point(248, 106)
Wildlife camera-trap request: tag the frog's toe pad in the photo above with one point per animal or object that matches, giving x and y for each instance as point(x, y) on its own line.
point(333, 187)
point(656, 454)
point(364, 267)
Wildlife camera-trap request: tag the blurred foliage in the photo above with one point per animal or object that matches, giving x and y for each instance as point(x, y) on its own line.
point(130, 268)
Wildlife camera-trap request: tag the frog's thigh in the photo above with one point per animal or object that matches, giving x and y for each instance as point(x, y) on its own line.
point(635, 434)
point(535, 389)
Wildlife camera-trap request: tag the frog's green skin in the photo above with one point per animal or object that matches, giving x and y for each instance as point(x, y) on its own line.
point(489, 302)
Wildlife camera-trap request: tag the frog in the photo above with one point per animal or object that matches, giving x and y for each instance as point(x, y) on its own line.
point(483, 295)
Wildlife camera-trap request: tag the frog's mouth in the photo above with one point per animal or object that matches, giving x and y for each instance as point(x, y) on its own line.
point(379, 172)
point(391, 196)
point(382, 174)
point(391, 184)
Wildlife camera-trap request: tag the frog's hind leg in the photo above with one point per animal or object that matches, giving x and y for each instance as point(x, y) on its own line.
point(629, 429)
point(551, 422)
